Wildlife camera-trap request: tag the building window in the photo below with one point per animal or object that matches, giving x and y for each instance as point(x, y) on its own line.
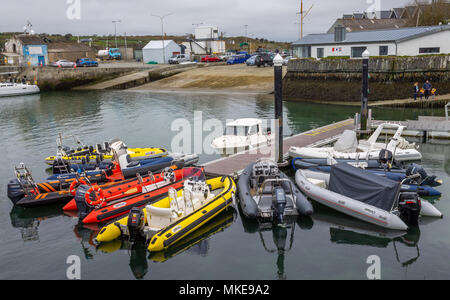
point(358, 51)
point(383, 50)
point(320, 52)
point(429, 50)
point(302, 51)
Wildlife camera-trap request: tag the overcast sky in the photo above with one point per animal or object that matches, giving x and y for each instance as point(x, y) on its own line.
point(271, 19)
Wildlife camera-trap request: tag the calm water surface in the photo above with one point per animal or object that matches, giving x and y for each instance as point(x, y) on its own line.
point(35, 243)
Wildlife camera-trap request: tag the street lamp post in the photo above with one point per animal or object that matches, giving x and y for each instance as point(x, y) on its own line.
point(162, 34)
point(365, 90)
point(115, 30)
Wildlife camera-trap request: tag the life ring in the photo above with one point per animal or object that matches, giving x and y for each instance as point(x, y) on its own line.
point(72, 188)
point(101, 198)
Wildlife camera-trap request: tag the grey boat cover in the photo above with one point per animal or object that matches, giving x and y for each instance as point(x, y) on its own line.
point(364, 186)
point(347, 143)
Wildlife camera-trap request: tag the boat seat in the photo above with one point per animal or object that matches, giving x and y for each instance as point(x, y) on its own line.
point(159, 218)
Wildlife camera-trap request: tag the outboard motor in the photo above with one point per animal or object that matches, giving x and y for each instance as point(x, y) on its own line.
point(409, 206)
point(414, 169)
point(135, 223)
point(83, 208)
point(385, 156)
point(279, 203)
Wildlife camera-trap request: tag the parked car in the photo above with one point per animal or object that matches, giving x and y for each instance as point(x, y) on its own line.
point(286, 60)
point(63, 63)
point(251, 61)
point(263, 59)
point(86, 62)
point(178, 58)
point(238, 59)
point(210, 58)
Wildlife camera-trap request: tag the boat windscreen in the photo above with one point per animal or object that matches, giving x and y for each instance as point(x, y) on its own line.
point(364, 186)
point(196, 173)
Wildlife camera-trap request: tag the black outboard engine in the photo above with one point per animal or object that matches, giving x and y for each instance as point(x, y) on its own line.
point(409, 206)
point(279, 204)
point(424, 179)
point(135, 223)
point(83, 208)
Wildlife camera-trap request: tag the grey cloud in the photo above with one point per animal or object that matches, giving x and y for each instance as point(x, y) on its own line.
point(270, 19)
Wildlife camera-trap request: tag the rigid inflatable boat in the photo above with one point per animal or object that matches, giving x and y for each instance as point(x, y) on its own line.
point(85, 154)
point(123, 166)
point(24, 191)
point(167, 221)
point(106, 206)
point(267, 193)
point(365, 196)
point(419, 185)
point(347, 148)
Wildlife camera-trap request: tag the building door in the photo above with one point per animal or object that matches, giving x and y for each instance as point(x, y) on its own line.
point(320, 52)
point(41, 60)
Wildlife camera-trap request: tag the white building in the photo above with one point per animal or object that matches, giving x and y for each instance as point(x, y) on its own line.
point(389, 42)
point(206, 41)
point(153, 51)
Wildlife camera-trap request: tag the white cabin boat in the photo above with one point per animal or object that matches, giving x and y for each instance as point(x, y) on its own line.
point(17, 89)
point(241, 135)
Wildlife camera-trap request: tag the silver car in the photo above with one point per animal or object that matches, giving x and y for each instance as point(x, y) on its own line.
point(178, 58)
point(63, 63)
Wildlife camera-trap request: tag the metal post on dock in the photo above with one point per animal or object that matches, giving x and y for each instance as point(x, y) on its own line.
point(365, 91)
point(278, 66)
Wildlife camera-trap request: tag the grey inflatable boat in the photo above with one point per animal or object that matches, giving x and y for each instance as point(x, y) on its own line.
point(267, 193)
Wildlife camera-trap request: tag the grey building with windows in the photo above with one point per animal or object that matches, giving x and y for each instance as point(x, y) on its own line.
point(411, 41)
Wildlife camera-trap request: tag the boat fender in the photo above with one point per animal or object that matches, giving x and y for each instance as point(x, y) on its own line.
point(101, 196)
point(91, 149)
point(75, 184)
point(83, 160)
point(88, 158)
point(223, 178)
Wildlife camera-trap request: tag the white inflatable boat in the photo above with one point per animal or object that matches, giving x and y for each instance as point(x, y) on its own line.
point(17, 89)
point(365, 196)
point(347, 147)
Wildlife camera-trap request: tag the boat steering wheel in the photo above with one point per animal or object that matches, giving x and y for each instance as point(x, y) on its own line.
point(168, 174)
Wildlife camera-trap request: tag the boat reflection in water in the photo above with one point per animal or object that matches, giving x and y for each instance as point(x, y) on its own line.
point(28, 221)
point(196, 243)
point(348, 231)
point(282, 236)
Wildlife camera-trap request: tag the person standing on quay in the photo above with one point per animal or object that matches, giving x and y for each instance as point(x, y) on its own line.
point(427, 87)
point(416, 90)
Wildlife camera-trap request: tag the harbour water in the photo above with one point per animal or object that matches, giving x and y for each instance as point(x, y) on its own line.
point(35, 243)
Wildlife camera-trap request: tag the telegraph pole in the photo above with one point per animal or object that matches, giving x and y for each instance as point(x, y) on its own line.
point(303, 15)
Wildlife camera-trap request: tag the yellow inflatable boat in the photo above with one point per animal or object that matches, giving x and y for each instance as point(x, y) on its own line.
point(174, 217)
point(87, 154)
